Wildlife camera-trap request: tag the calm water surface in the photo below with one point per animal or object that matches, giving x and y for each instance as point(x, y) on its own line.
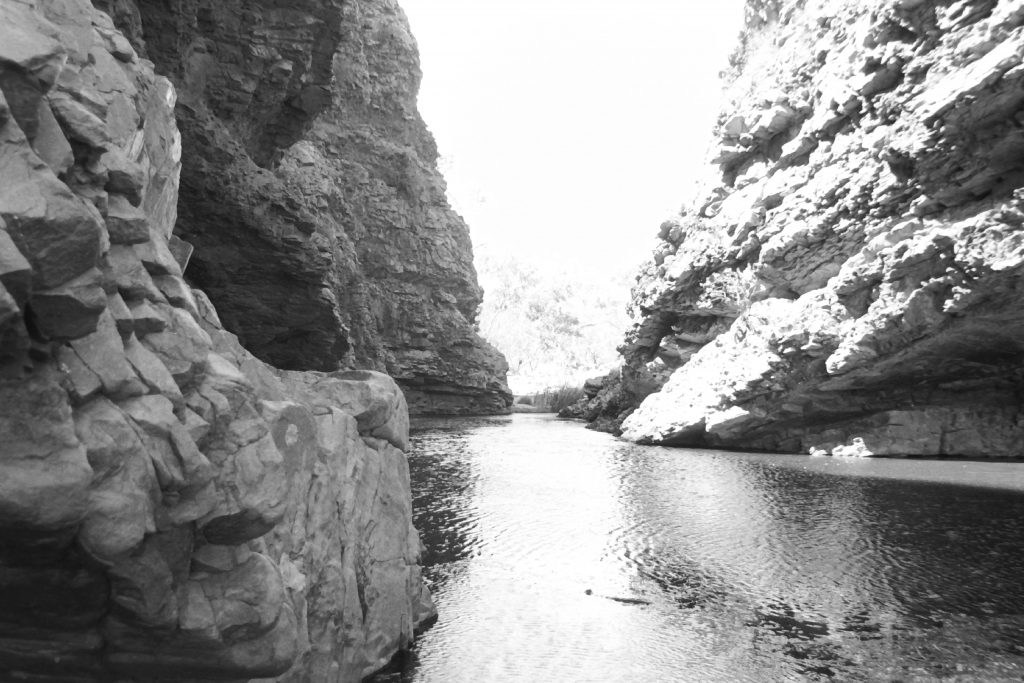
point(727, 567)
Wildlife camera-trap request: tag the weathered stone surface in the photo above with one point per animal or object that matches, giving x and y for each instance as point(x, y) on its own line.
point(124, 492)
point(311, 194)
point(80, 124)
point(44, 473)
point(61, 235)
point(182, 346)
point(372, 398)
point(143, 452)
point(126, 224)
point(31, 57)
point(378, 577)
point(15, 271)
point(123, 176)
point(850, 282)
point(70, 310)
point(130, 276)
point(103, 352)
point(49, 142)
point(146, 319)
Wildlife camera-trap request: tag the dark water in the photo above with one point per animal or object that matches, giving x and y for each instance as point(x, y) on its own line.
point(742, 567)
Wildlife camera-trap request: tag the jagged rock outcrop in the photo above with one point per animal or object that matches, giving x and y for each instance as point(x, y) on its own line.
point(850, 281)
point(171, 508)
point(311, 194)
point(609, 399)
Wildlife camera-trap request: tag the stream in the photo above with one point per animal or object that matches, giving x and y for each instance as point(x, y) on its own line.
point(555, 553)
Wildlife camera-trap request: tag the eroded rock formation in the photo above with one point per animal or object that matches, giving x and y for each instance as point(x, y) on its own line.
point(849, 280)
point(311, 194)
point(171, 508)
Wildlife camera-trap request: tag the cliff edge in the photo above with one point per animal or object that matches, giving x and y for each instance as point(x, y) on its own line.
point(171, 507)
point(848, 280)
point(311, 194)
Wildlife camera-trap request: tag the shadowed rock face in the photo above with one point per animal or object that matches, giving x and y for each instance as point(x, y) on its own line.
point(170, 507)
point(311, 194)
point(849, 280)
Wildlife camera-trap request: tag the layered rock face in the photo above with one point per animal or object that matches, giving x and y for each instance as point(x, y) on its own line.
point(171, 508)
point(849, 279)
point(311, 194)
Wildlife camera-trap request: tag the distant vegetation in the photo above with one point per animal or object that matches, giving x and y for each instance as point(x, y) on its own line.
point(552, 400)
point(555, 327)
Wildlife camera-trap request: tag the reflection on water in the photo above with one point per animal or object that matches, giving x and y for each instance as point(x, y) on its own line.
point(706, 566)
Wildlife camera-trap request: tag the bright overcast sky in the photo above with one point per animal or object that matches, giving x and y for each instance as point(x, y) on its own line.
point(571, 128)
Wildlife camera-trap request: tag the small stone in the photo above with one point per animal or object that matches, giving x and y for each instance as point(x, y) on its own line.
point(372, 398)
point(96, 196)
point(177, 292)
point(78, 122)
point(147, 319)
point(103, 352)
point(207, 312)
point(154, 373)
point(735, 127)
point(117, 45)
point(197, 427)
point(31, 57)
point(127, 224)
point(122, 315)
point(83, 383)
point(122, 122)
point(214, 558)
point(72, 310)
point(50, 143)
point(257, 498)
point(196, 618)
point(157, 258)
point(181, 250)
point(15, 271)
point(182, 347)
point(59, 234)
point(123, 176)
point(132, 279)
point(155, 414)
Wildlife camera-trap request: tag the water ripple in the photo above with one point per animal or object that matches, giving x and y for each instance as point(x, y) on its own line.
point(704, 566)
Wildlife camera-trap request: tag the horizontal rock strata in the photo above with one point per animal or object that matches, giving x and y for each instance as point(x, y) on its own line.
point(171, 508)
point(311, 194)
point(849, 280)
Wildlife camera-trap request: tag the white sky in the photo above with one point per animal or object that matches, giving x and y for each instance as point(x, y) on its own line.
point(569, 129)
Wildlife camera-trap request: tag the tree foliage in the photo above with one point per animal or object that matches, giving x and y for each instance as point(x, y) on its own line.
point(553, 325)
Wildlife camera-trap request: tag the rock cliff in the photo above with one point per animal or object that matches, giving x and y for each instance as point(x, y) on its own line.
point(848, 281)
point(171, 507)
point(311, 194)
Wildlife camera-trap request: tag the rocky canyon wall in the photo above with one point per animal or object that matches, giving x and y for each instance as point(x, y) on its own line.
point(849, 279)
point(171, 507)
point(311, 194)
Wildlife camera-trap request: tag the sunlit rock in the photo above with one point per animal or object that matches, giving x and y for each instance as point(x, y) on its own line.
point(851, 283)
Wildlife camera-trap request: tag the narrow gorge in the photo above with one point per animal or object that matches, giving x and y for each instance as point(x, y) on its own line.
point(230, 277)
point(228, 273)
point(848, 279)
